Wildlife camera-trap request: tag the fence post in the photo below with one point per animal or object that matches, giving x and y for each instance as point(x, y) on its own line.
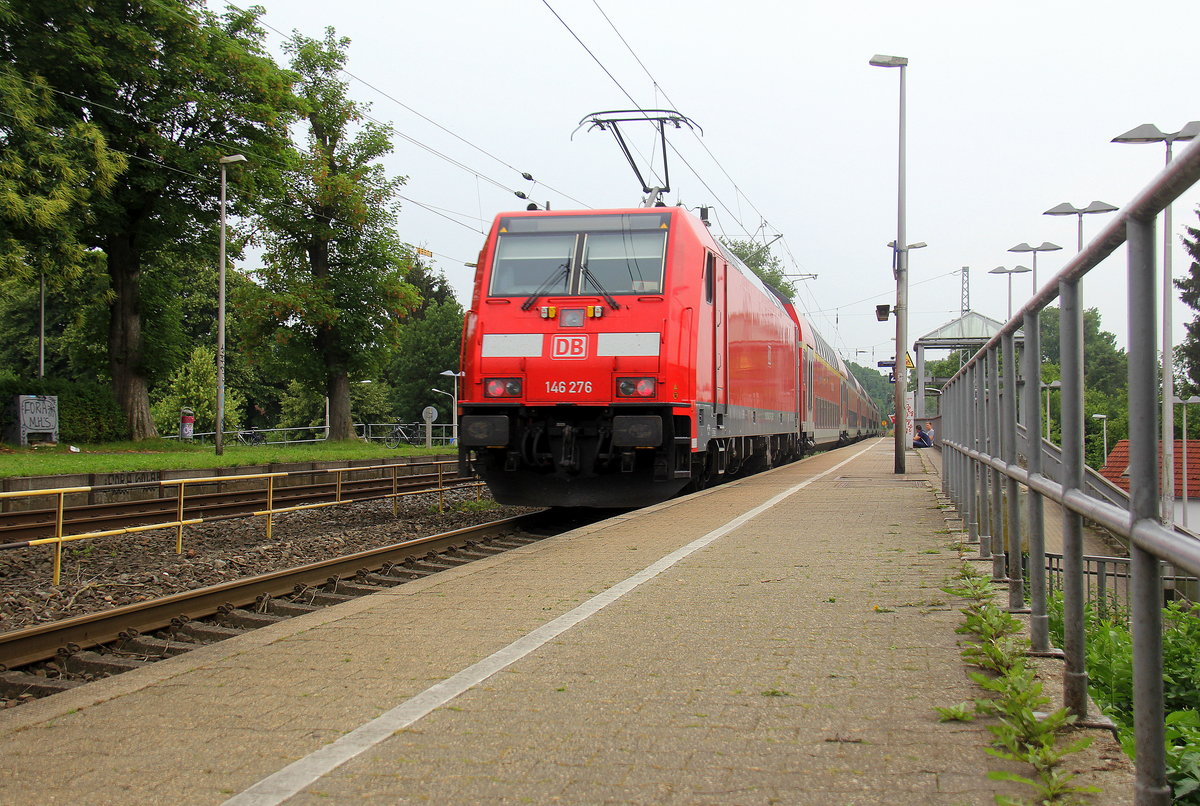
point(58, 533)
point(179, 517)
point(966, 397)
point(270, 506)
point(993, 430)
point(983, 512)
point(441, 490)
point(1039, 627)
point(1150, 788)
point(1016, 579)
point(1070, 341)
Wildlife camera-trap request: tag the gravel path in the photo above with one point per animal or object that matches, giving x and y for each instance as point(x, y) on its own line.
point(104, 573)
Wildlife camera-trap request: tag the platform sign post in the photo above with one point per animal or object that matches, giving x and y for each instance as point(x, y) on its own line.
point(429, 414)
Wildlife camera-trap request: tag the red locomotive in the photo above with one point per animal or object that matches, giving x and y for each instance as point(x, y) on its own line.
point(614, 358)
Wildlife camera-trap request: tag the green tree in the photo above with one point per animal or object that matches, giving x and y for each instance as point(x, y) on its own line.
point(194, 385)
point(1105, 366)
point(50, 171)
point(760, 260)
point(428, 347)
point(1189, 287)
point(173, 87)
point(876, 385)
point(331, 291)
point(432, 286)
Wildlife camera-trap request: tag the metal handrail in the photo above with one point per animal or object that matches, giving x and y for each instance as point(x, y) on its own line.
point(57, 540)
point(980, 414)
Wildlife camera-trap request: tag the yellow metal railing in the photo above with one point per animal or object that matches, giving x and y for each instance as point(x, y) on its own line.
point(270, 512)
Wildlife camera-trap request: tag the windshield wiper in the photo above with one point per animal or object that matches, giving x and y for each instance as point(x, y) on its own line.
point(541, 289)
point(603, 292)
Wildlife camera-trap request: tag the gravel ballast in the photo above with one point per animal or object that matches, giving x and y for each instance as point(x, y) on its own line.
point(103, 573)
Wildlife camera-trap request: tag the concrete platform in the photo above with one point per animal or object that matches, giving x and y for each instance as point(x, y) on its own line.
point(781, 639)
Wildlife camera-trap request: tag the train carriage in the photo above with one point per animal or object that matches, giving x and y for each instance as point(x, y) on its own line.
point(617, 357)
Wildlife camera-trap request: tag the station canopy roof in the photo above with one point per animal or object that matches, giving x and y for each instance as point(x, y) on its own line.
point(971, 330)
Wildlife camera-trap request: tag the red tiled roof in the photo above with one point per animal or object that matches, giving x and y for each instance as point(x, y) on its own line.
point(1117, 466)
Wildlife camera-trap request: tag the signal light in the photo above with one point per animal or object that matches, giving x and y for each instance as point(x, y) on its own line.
point(636, 387)
point(502, 387)
point(549, 311)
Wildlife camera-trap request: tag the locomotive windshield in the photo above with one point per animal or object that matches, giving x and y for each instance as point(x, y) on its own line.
point(580, 255)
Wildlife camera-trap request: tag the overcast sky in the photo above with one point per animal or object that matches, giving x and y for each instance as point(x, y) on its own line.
point(1011, 109)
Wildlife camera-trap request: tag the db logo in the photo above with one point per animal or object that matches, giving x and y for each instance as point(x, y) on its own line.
point(568, 347)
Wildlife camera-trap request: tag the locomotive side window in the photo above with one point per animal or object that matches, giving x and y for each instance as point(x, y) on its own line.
point(525, 262)
point(710, 269)
point(623, 262)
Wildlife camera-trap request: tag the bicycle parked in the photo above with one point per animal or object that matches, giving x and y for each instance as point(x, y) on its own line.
point(403, 433)
point(251, 437)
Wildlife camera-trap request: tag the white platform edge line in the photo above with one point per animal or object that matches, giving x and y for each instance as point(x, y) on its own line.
point(302, 773)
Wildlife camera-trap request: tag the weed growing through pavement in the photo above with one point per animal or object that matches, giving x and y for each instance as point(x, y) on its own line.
point(963, 712)
point(1020, 732)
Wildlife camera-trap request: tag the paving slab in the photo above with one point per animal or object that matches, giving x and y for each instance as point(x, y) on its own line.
point(796, 658)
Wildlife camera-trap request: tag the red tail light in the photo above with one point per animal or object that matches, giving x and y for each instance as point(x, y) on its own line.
point(502, 387)
point(637, 387)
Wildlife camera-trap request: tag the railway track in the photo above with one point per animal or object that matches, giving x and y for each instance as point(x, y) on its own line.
point(33, 524)
point(43, 660)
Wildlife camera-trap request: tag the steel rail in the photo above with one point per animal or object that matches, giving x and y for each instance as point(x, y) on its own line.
point(42, 642)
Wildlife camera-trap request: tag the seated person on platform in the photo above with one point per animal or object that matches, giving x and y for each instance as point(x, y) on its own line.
point(922, 440)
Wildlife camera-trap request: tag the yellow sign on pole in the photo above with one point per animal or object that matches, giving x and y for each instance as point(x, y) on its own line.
point(424, 252)
point(908, 361)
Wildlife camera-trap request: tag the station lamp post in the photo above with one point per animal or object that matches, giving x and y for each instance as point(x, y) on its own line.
point(1048, 387)
point(1186, 468)
point(454, 413)
point(219, 436)
point(1010, 273)
point(1103, 418)
point(1149, 133)
point(1045, 247)
point(900, 269)
point(1066, 208)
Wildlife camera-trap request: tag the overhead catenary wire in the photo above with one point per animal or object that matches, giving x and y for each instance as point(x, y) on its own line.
point(802, 291)
point(739, 193)
point(525, 174)
point(659, 88)
point(212, 181)
point(231, 147)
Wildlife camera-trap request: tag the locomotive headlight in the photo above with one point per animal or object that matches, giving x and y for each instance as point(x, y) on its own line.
point(502, 387)
point(571, 317)
point(636, 387)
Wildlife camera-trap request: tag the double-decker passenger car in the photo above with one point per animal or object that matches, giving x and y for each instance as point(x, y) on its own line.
point(614, 358)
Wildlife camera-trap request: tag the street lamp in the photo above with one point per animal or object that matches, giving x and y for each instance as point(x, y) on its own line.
point(1045, 247)
point(900, 258)
point(1048, 387)
point(219, 436)
point(1184, 403)
point(1149, 133)
point(1104, 419)
point(1010, 273)
point(1066, 208)
point(454, 413)
point(453, 417)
